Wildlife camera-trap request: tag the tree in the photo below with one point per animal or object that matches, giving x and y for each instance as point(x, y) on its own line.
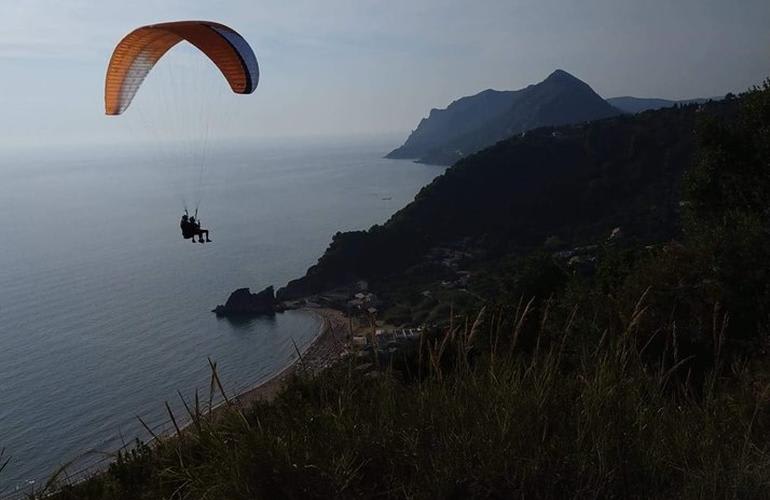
point(727, 216)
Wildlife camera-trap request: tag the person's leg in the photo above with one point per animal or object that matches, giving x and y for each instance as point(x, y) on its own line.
point(206, 232)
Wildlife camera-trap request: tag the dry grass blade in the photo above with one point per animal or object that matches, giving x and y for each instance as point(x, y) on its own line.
point(147, 428)
point(641, 300)
point(601, 342)
point(567, 329)
point(419, 356)
point(194, 417)
point(671, 370)
point(450, 334)
point(212, 385)
point(675, 342)
point(494, 331)
point(53, 483)
point(215, 380)
point(747, 435)
point(719, 333)
point(646, 344)
point(436, 352)
point(173, 419)
point(520, 323)
point(434, 359)
point(476, 326)
point(228, 402)
point(299, 354)
point(638, 313)
point(54, 479)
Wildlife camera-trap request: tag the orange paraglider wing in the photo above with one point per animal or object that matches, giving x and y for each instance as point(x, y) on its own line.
point(137, 53)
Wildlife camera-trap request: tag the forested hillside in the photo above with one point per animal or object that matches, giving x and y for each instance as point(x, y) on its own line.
point(576, 183)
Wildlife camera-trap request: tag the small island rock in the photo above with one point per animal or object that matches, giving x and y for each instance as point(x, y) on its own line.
point(244, 303)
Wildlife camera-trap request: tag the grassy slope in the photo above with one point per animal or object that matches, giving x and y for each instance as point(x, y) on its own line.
point(582, 415)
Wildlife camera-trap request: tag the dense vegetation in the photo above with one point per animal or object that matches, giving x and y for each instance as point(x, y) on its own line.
point(576, 183)
point(645, 378)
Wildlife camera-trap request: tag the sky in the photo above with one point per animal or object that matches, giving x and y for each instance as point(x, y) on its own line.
point(365, 67)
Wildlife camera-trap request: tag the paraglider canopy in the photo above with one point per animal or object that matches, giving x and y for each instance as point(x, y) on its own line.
point(137, 53)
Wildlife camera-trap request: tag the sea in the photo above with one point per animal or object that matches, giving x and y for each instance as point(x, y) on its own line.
point(105, 311)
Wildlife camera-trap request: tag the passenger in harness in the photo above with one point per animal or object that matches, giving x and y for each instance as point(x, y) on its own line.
point(192, 228)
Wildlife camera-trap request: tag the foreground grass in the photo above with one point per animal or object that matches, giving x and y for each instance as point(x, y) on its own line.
point(516, 404)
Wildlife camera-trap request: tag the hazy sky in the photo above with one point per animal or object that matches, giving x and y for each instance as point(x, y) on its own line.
point(337, 67)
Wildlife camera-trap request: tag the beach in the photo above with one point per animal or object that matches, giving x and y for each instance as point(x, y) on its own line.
point(322, 352)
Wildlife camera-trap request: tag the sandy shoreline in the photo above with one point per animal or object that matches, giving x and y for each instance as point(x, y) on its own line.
point(324, 350)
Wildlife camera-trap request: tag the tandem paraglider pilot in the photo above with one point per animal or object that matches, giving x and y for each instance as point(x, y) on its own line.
point(192, 228)
point(137, 54)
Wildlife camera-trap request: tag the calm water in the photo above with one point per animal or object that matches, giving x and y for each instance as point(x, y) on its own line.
point(104, 309)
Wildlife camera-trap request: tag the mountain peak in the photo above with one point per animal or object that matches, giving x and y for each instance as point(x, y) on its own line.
point(562, 76)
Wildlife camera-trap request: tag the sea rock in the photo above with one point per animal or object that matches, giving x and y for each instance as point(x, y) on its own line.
point(244, 303)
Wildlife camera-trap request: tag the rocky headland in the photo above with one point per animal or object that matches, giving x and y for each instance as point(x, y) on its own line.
point(244, 303)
